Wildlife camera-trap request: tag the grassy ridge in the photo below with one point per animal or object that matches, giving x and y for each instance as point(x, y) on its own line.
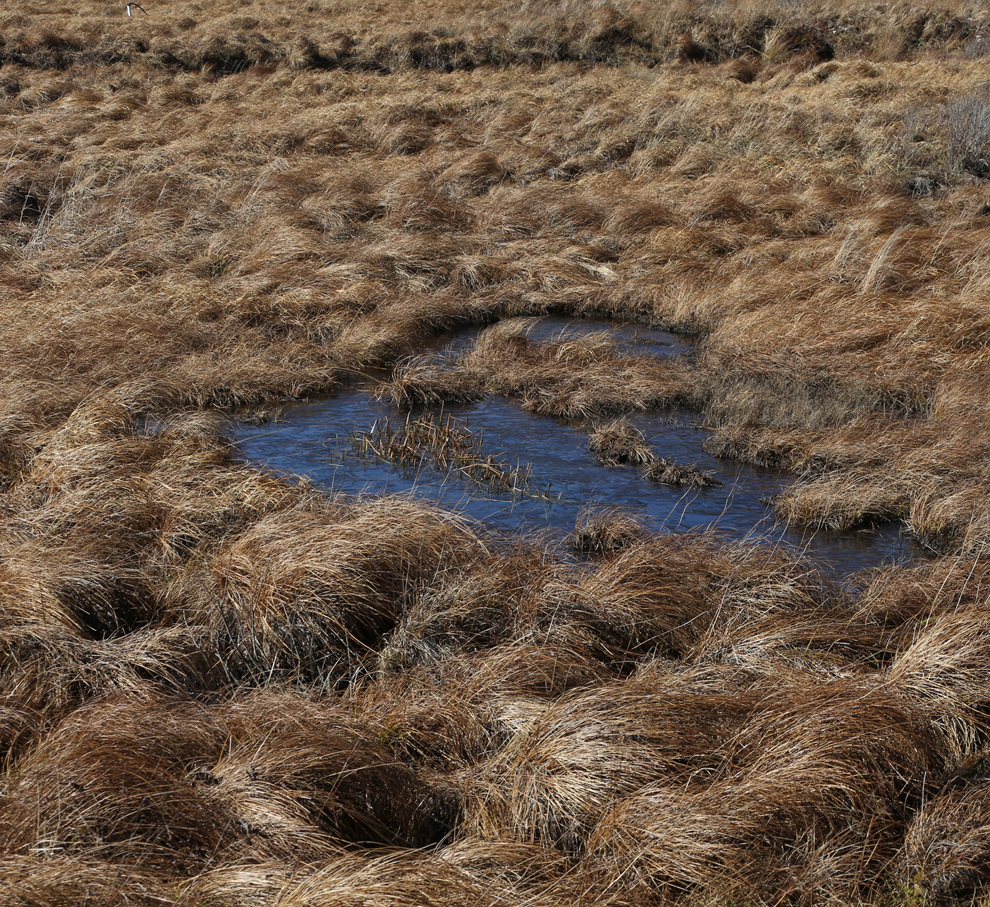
point(220, 688)
point(230, 37)
point(212, 240)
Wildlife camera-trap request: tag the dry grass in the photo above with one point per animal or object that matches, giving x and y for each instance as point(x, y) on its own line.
point(69, 881)
point(307, 591)
point(571, 377)
point(768, 824)
point(604, 532)
point(944, 855)
point(619, 442)
point(220, 687)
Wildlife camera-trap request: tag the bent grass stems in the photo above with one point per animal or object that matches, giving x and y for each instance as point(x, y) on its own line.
point(448, 446)
point(220, 204)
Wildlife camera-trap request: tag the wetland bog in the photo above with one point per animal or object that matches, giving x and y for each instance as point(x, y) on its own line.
point(566, 485)
point(471, 453)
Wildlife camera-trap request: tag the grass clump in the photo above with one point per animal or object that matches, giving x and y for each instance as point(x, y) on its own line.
point(304, 592)
point(619, 442)
point(449, 446)
point(605, 532)
point(222, 687)
point(574, 377)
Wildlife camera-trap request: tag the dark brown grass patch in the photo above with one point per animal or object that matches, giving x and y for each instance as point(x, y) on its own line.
point(302, 776)
point(102, 785)
point(946, 852)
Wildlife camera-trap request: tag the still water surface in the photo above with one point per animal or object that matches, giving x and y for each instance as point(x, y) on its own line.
point(314, 439)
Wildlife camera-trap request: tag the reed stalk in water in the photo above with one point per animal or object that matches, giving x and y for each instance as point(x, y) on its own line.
point(448, 446)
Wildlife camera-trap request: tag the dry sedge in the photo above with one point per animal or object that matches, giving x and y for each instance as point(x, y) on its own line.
point(449, 446)
point(222, 687)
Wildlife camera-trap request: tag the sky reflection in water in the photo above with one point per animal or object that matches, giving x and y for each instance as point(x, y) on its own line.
point(313, 439)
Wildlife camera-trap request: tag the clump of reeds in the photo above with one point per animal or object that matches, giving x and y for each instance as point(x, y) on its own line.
point(449, 446)
point(70, 879)
point(473, 610)
point(399, 877)
point(635, 605)
point(304, 777)
point(102, 785)
point(946, 851)
point(309, 592)
point(430, 714)
point(430, 381)
point(573, 757)
point(666, 472)
point(845, 500)
point(941, 668)
point(744, 606)
point(822, 800)
point(619, 442)
point(573, 376)
point(605, 532)
point(776, 613)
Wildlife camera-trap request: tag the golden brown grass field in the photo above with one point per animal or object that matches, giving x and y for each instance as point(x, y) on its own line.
point(221, 688)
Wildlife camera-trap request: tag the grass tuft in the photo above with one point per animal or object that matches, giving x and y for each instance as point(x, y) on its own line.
point(449, 446)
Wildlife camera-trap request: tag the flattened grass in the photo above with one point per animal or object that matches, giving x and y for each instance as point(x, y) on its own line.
point(219, 686)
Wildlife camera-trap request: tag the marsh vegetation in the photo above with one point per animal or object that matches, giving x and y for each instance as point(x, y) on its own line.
point(223, 686)
point(491, 457)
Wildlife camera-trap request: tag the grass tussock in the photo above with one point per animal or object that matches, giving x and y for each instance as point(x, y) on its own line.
point(698, 839)
point(100, 785)
point(305, 590)
point(222, 687)
point(450, 446)
point(605, 532)
point(65, 881)
point(569, 377)
point(617, 443)
point(944, 856)
point(615, 716)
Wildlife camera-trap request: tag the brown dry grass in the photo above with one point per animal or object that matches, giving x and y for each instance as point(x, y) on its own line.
point(219, 687)
point(569, 377)
point(198, 271)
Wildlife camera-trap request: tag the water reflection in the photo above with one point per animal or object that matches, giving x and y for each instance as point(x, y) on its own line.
point(313, 439)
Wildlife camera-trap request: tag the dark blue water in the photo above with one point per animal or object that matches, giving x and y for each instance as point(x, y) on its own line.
point(314, 439)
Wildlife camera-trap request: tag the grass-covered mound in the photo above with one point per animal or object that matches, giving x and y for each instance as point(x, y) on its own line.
point(221, 688)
